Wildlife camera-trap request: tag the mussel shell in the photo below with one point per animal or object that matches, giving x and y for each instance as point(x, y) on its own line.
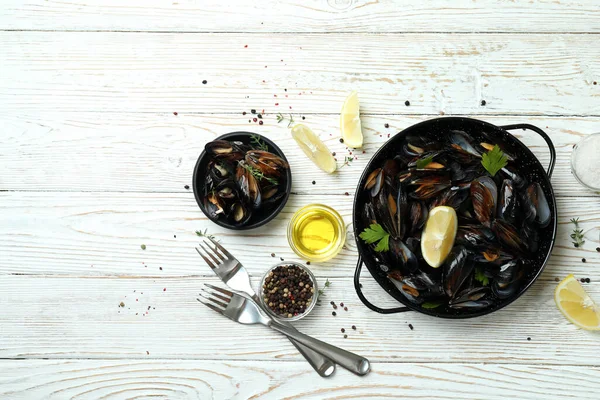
point(513, 175)
point(491, 254)
point(214, 205)
point(239, 213)
point(226, 190)
point(417, 287)
point(471, 298)
point(457, 268)
point(267, 163)
point(531, 236)
point(461, 142)
point(542, 208)
point(508, 281)
point(218, 147)
point(249, 186)
point(474, 235)
point(418, 216)
point(484, 194)
point(509, 236)
point(509, 206)
point(375, 181)
point(401, 257)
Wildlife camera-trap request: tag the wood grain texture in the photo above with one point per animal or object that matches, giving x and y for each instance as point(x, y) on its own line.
point(302, 16)
point(531, 74)
point(76, 317)
point(180, 379)
point(91, 234)
point(157, 152)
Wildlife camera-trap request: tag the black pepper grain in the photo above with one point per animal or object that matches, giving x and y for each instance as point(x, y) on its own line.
point(557, 279)
point(332, 303)
point(483, 103)
point(347, 194)
point(334, 313)
point(345, 308)
point(260, 122)
point(204, 82)
point(583, 260)
point(587, 280)
point(314, 182)
point(272, 254)
point(253, 111)
point(411, 327)
point(303, 117)
point(582, 280)
point(343, 330)
point(345, 336)
point(341, 140)
point(259, 116)
point(387, 125)
point(528, 338)
point(598, 249)
point(354, 327)
point(341, 304)
point(187, 187)
point(407, 103)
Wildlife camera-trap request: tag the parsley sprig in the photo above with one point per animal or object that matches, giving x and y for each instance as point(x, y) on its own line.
point(494, 160)
point(423, 162)
point(481, 277)
point(577, 234)
point(376, 233)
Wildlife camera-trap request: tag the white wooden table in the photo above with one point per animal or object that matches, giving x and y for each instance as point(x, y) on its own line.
point(93, 164)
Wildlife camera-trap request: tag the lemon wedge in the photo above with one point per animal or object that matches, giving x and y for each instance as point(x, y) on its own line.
point(576, 305)
point(314, 148)
point(350, 122)
point(438, 236)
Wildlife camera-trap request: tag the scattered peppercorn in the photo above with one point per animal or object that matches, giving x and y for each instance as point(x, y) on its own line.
point(587, 280)
point(281, 258)
point(187, 187)
point(341, 304)
point(253, 111)
point(343, 330)
point(411, 327)
point(407, 103)
point(354, 327)
point(345, 336)
point(174, 112)
point(345, 308)
point(272, 254)
point(314, 182)
point(583, 260)
point(333, 154)
point(243, 112)
point(160, 268)
point(303, 117)
point(259, 116)
point(143, 247)
point(308, 263)
point(341, 140)
point(347, 194)
point(387, 125)
point(254, 119)
point(483, 103)
point(332, 303)
point(582, 280)
point(575, 244)
point(204, 82)
point(260, 122)
point(598, 249)
point(557, 279)
point(528, 338)
point(334, 313)
point(288, 290)
point(174, 236)
point(122, 304)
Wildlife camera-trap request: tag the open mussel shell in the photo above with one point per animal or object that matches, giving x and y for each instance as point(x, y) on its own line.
point(491, 254)
point(474, 235)
point(537, 206)
point(218, 147)
point(214, 205)
point(239, 214)
point(267, 163)
point(457, 268)
point(484, 194)
point(417, 287)
point(249, 186)
point(418, 216)
point(509, 236)
point(227, 190)
point(472, 298)
point(375, 182)
point(462, 144)
point(508, 280)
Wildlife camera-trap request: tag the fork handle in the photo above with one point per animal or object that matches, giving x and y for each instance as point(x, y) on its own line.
point(323, 365)
point(352, 362)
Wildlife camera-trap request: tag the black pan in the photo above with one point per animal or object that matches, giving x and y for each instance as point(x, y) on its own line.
point(526, 164)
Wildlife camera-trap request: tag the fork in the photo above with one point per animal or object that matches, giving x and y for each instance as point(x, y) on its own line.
point(234, 275)
point(245, 311)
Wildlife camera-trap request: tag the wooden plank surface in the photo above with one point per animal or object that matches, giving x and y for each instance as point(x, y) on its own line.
point(302, 16)
point(92, 234)
point(79, 317)
point(110, 379)
point(128, 152)
point(525, 74)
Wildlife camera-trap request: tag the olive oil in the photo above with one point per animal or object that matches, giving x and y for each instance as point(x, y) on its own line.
point(316, 232)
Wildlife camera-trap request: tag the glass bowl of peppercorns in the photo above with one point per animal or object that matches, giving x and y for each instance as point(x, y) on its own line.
point(288, 291)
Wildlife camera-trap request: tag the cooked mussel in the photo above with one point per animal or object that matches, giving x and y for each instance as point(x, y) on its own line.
point(537, 207)
point(457, 268)
point(483, 195)
point(474, 235)
point(460, 142)
point(508, 280)
point(226, 190)
point(218, 147)
point(214, 205)
point(375, 182)
point(417, 287)
point(418, 216)
point(248, 185)
point(472, 299)
point(509, 236)
point(239, 213)
point(509, 206)
point(267, 163)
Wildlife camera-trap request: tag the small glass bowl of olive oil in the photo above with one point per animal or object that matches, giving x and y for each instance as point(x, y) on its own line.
point(316, 232)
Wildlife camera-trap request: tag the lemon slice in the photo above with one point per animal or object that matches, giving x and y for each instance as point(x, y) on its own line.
point(438, 236)
point(576, 305)
point(350, 122)
point(314, 147)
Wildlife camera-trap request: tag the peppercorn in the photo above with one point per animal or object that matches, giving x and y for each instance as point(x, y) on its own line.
point(343, 330)
point(345, 336)
point(407, 103)
point(354, 327)
point(483, 103)
point(598, 249)
point(583, 260)
point(334, 313)
point(341, 140)
point(284, 287)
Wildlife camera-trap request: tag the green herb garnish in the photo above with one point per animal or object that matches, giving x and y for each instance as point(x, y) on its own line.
point(423, 162)
point(281, 117)
point(494, 160)
point(205, 234)
point(322, 291)
point(481, 277)
point(577, 234)
point(258, 143)
point(376, 233)
point(259, 175)
point(347, 161)
point(432, 304)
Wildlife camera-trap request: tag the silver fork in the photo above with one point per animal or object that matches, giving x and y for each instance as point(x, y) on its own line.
point(234, 275)
point(245, 311)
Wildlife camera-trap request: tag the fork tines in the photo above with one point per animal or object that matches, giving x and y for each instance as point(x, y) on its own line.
point(216, 253)
point(216, 301)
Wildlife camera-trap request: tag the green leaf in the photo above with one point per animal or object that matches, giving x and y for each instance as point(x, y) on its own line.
point(494, 160)
point(432, 304)
point(376, 233)
point(423, 162)
point(480, 277)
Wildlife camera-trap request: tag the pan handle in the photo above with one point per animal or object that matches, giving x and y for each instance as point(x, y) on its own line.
point(544, 136)
point(366, 302)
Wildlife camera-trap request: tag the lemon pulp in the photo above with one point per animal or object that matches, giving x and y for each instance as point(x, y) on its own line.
point(438, 236)
point(576, 305)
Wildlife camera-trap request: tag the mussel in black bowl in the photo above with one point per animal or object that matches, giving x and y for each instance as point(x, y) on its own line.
point(241, 184)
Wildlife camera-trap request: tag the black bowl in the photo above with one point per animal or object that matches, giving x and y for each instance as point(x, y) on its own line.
point(259, 217)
